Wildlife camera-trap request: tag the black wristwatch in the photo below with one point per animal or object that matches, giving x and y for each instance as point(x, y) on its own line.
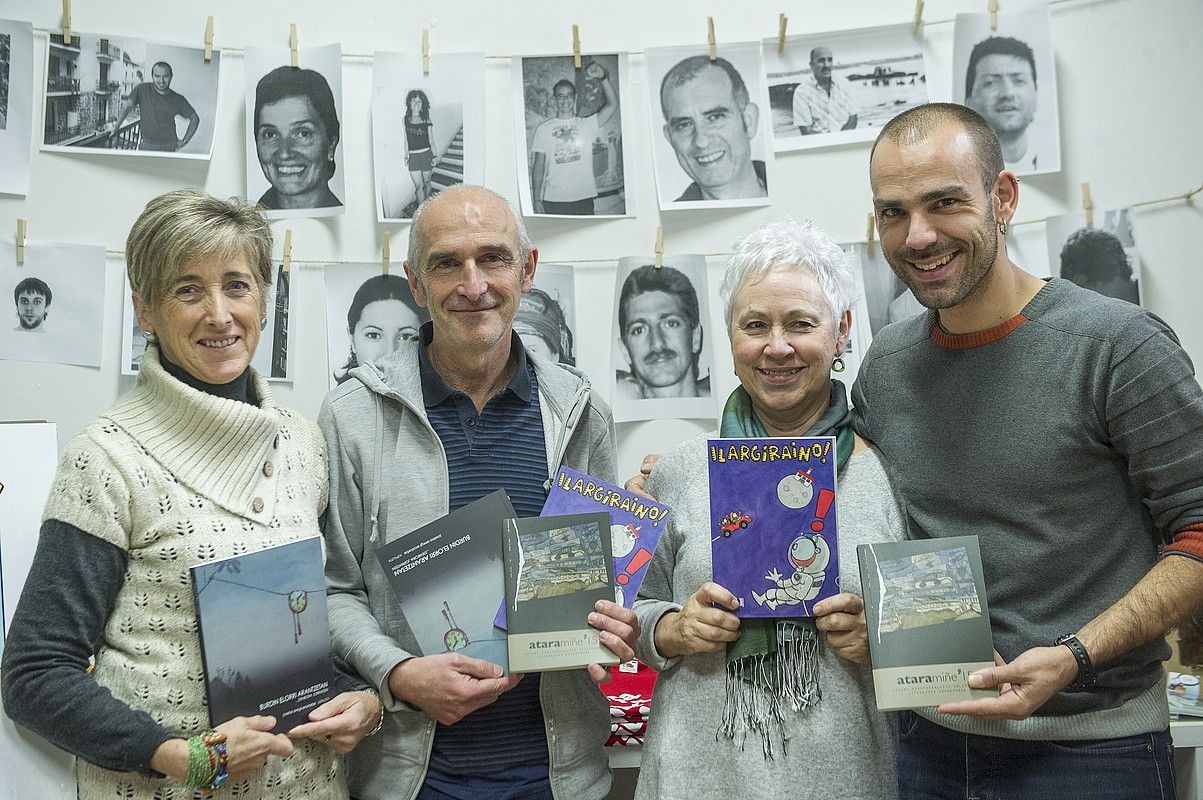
point(1086, 674)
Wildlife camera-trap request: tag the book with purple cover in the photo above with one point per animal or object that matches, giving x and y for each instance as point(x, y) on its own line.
point(635, 526)
point(773, 527)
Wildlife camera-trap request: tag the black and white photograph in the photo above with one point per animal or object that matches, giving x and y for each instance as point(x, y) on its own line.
point(709, 129)
point(839, 88)
point(368, 315)
point(1102, 257)
point(16, 105)
point(274, 357)
point(294, 159)
point(661, 352)
point(886, 297)
point(57, 308)
point(546, 319)
point(570, 135)
point(1007, 75)
point(428, 131)
point(130, 96)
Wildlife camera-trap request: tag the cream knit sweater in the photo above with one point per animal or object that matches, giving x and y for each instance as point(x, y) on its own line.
point(175, 477)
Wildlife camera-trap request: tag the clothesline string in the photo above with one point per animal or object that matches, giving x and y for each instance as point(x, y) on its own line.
point(1185, 196)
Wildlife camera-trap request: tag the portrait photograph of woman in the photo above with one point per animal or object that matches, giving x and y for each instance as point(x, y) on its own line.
point(293, 165)
point(368, 316)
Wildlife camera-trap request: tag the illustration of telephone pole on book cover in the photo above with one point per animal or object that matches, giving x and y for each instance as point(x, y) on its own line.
point(275, 659)
point(928, 620)
point(773, 523)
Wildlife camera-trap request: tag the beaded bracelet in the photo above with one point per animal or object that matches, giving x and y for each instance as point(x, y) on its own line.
point(200, 772)
point(215, 743)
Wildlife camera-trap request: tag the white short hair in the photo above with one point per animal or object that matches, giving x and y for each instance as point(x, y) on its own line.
point(416, 239)
point(790, 245)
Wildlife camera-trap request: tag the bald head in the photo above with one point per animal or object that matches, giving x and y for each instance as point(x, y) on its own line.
point(463, 194)
point(920, 123)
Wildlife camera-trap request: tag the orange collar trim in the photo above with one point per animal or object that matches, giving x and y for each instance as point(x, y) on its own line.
point(965, 341)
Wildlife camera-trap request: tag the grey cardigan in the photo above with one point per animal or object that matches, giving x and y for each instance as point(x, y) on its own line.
point(388, 476)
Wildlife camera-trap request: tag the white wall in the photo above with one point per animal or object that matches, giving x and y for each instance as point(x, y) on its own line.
point(1131, 109)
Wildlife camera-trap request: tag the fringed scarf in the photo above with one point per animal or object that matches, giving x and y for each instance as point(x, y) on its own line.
point(774, 664)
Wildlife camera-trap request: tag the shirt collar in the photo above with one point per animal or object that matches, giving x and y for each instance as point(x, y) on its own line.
point(435, 390)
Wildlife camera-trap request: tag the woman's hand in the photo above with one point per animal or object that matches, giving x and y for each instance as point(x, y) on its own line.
point(342, 721)
point(703, 625)
point(841, 617)
point(249, 743)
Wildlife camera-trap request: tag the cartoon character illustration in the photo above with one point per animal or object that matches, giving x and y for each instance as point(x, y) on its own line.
point(623, 539)
point(796, 489)
point(809, 554)
point(733, 522)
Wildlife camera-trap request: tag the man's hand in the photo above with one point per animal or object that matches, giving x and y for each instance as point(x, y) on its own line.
point(619, 631)
point(703, 625)
point(638, 483)
point(595, 71)
point(341, 721)
point(449, 686)
point(1024, 685)
point(842, 620)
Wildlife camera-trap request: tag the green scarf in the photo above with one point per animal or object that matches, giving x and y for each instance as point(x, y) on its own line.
point(774, 664)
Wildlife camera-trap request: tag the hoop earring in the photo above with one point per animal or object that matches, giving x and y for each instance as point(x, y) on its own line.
point(837, 365)
point(1003, 227)
point(263, 324)
point(149, 337)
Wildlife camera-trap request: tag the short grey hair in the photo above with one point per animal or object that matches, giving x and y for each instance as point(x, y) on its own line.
point(416, 239)
point(790, 245)
point(187, 225)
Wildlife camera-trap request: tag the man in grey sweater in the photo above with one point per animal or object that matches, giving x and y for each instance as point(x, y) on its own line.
point(1065, 429)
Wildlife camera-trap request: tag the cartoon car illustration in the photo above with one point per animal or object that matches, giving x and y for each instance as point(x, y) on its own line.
point(733, 522)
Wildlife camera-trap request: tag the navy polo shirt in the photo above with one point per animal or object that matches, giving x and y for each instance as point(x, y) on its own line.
point(499, 751)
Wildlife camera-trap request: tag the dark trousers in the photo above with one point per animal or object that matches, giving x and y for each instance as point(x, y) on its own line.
point(580, 208)
point(937, 763)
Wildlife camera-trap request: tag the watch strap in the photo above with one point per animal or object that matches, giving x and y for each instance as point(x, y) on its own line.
point(1086, 674)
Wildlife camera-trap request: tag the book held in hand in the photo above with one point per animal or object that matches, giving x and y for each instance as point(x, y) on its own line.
point(265, 633)
point(928, 620)
point(773, 538)
point(556, 569)
point(448, 577)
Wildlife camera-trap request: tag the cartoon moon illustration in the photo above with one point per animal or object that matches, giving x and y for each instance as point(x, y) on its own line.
point(796, 490)
point(622, 540)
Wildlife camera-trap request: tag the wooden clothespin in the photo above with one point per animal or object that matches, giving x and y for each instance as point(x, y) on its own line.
point(287, 264)
point(710, 38)
point(917, 23)
point(1087, 204)
point(209, 40)
point(576, 47)
point(385, 253)
point(870, 231)
point(993, 9)
point(659, 246)
point(782, 21)
point(67, 22)
point(20, 241)
point(426, 51)
point(292, 44)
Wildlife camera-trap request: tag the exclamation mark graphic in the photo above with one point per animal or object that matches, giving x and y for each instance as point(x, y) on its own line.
point(822, 506)
point(637, 562)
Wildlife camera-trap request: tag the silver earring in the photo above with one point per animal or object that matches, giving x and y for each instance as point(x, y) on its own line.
point(149, 337)
point(263, 324)
point(1003, 227)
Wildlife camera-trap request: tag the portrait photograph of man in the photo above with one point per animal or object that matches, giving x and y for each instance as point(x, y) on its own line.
point(710, 139)
point(428, 129)
point(57, 308)
point(569, 135)
point(1102, 257)
point(661, 354)
point(1007, 75)
point(130, 96)
point(839, 88)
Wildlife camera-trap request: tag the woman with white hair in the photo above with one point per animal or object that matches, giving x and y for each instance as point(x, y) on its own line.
point(787, 294)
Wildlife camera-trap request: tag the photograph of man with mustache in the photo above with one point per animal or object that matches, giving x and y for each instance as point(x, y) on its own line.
point(660, 335)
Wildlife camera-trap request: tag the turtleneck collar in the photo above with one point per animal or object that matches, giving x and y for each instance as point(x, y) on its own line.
point(240, 388)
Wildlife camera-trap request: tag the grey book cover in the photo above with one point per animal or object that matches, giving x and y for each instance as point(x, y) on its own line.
point(447, 576)
point(556, 569)
point(928, 620)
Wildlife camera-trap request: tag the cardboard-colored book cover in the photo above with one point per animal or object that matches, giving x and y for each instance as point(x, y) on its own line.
point(773, 539)
point(448, 578)
point(556, 569)
point(928, 620)
point(265, 633)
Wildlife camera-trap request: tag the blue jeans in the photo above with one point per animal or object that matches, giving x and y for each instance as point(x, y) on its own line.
point(937, 763)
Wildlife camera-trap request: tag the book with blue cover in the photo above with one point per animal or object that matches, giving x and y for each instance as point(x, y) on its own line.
point(773, 534)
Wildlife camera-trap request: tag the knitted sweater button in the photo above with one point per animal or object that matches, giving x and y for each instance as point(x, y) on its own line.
point(257, 505)
point(267, 469)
